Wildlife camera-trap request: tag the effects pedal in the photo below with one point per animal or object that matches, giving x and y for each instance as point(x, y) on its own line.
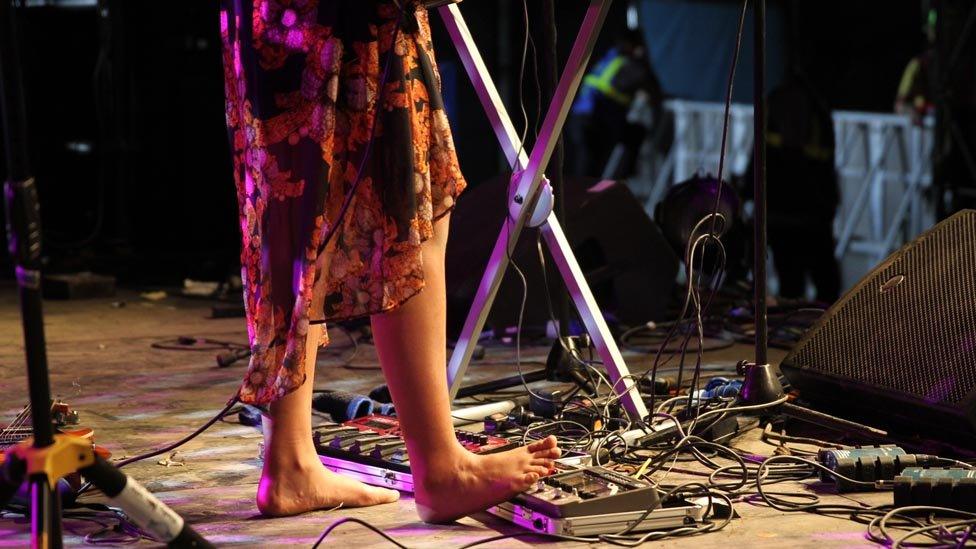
point(588, 490)
point(595, 500)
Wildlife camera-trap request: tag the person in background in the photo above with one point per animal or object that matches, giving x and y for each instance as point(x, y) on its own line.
point(598, 120)
point(802, 192)
point(914, 95)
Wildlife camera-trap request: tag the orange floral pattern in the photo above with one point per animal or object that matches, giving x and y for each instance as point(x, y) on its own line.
point(302, 82)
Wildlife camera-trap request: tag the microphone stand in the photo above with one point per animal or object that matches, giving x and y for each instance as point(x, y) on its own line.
point(49, 457)
point(761, 386)
point(547, 69)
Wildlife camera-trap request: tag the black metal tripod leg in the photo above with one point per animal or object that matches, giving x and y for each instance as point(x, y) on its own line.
point(831, 422)
point(142, 507)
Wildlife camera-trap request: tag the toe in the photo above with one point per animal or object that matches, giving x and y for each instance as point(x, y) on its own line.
point(547, 443)
point(538, 470)
point(548, 453)
point(528, 479)
point(384, 495)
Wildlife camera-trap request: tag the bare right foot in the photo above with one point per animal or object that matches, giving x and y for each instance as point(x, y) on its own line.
point(467, 483)
point(306, 485)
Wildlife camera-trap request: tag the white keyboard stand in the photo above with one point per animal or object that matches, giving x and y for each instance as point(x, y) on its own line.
point(530, 203)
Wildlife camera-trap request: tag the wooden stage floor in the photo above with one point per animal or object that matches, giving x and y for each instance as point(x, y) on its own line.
point(137, 398)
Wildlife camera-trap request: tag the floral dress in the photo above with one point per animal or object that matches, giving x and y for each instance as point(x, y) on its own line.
point(302, 82)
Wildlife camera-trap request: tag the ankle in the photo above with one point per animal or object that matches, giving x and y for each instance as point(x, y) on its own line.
point(444, 470)
point(291, 456)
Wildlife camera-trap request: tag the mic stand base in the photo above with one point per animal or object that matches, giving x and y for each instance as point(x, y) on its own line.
point(762, 386)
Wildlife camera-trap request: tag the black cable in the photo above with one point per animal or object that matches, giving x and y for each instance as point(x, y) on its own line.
point(712, 232)
point(690, 295)
point(878, 529)
point(715, 215)
point(781, 504)
point(192, 343)
point(184, 440)
point(587, 366)
point(508, 219)
point(170, 447)
point(580, 441)
point(728, 108)
point(345, 520)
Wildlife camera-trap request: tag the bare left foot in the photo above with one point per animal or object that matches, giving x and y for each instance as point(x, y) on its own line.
point(295, 484)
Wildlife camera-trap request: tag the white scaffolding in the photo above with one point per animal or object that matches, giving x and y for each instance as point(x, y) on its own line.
point(884, 163)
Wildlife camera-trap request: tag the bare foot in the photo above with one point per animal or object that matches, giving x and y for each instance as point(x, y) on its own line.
point(467, 483)
point(300, 487)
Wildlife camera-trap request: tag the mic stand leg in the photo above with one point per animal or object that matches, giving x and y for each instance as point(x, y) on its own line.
point(762, 386)
point(49, 457)
point(829, 421)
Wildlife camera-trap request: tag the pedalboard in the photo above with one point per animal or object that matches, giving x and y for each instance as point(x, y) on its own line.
point(578, 500)
point(371, 449)
point(951, 487)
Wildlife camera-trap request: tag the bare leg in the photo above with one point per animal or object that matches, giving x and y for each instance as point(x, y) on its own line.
point(450, 482)
point(293, 479)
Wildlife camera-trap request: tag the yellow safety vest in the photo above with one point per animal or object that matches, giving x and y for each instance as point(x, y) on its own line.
point(603, 82)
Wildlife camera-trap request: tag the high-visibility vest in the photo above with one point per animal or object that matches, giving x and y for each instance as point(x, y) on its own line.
point(602, 80)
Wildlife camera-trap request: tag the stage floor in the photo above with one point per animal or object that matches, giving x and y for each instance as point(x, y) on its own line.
point(137, 398)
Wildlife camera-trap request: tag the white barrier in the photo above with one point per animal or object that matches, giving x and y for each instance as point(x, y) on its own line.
point(884, 163)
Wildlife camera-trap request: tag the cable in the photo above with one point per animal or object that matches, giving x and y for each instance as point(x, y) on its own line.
point(192, 343)
point(345, 520)
point(963, 464)
point(711, 235)
point(780, 504)
point(170, 447)
point(728, 108)
point(184, 440)
point(508, 219)
point(782, 438)
point(878, 529)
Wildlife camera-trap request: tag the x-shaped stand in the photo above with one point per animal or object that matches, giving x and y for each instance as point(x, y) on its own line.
point(530, 204)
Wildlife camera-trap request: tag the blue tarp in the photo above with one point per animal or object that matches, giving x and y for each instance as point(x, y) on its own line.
point(691, 43)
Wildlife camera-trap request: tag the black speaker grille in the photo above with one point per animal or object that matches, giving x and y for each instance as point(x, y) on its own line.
point(910, 325)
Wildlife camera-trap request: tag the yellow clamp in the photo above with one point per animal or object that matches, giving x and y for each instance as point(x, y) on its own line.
point(67, 455)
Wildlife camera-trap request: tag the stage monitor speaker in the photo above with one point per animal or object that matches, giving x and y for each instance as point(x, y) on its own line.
point(899, 349)
point(626, 260)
